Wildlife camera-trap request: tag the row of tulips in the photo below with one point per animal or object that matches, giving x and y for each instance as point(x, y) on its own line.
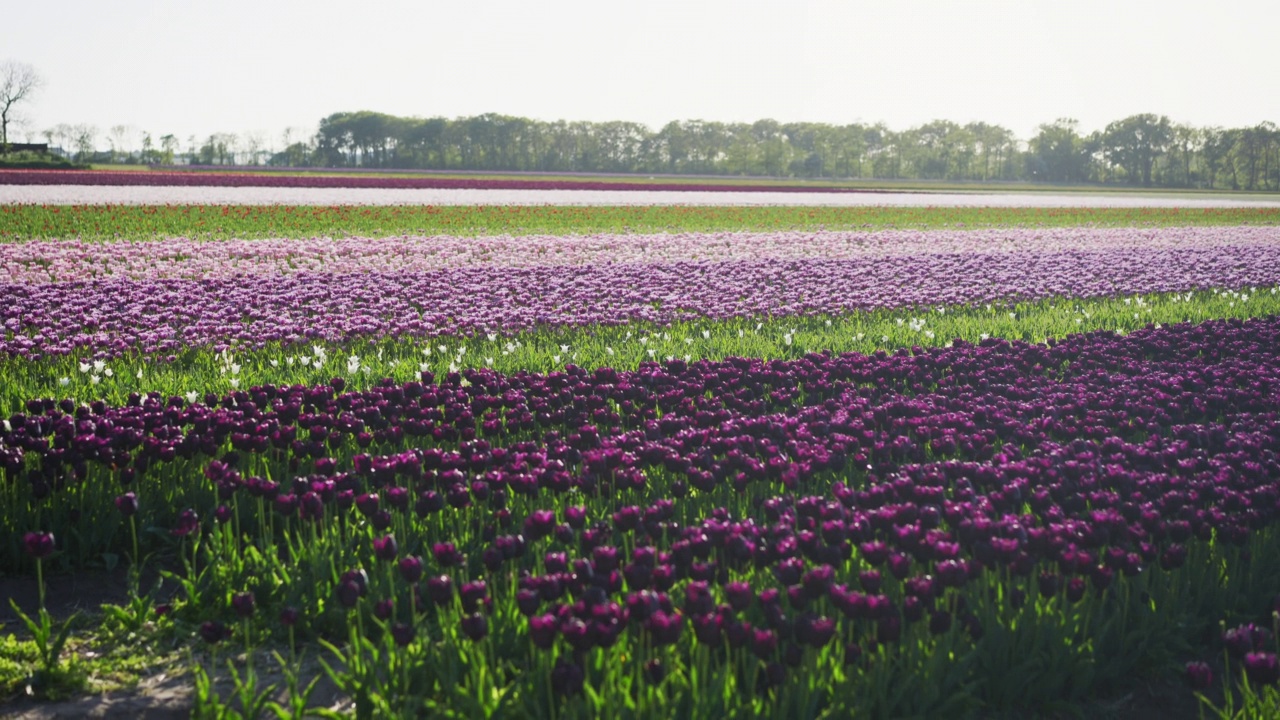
point(39, 262)
point(756, 522)
point(113, 317)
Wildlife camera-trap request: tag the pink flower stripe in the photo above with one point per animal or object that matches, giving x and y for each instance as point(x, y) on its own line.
point(180, 258)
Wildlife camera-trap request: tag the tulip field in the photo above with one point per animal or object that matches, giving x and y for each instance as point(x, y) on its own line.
point(644, 462)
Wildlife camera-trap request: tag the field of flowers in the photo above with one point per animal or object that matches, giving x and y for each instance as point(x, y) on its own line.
point(647, 462)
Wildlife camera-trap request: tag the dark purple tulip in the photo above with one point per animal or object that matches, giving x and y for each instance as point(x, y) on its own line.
point(771, 676)
point(939, 622)
point(528, 601)
point(473, 595)
point(870, 580)
point(698, 600)
point(539, 524)
point(973, 626)
point(819, 632)
point(222, 514)
point(1048, 584)
point(429, 503)
point(127, 504)
point(875, 552)
point(817, 581)
point(402, 634)
point(411, 569)
point(187, 523)
point(38, 545)
point(243, 604)
point(575, 516)
point(664, 627)
point(655, 671)
point(852, 654)
point(1199, 675)
point(446, 554)
point(214, 632)
point(1262, 668)
point(764, 643)
point(708, 629)
point(385, 548)
point(286, 504)
point(566, 678)
point(349, 593)
point(398, 498)
point(797, 597)
point(1173, 557)
point(289, 616)
point(475, 626)
point(888, 629)
point(312, 506)
point(1244, 639)
point(1075, 589)
point(384, 609)
point(555, 562)
point(543, 630)
point(605, 559)
point(578, 634)
point(368, 504)
point(899, 566)
point(1102, 577)
point(739, 595)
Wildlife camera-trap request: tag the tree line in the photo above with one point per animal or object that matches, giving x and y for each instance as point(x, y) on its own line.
point(1144, 150)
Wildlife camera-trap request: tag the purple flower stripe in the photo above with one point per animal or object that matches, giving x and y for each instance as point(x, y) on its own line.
point(1066, 467)
point(70, 260)
point(113, 317)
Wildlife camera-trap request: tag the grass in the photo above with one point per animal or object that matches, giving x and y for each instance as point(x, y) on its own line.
point(94, 222)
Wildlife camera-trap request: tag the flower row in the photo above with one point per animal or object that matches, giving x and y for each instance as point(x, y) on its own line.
point(72, 260)
point(112, 317)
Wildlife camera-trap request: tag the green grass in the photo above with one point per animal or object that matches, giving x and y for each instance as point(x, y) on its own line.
point(620, 346)
point(26, 222)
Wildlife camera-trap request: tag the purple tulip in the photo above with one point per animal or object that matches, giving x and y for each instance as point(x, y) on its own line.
point(411, 568)
point(243, 604)
point(402, 634)
point(214, 632)
point(475, 626)
point(1199, 676)
point(1262, 668)
point(38, 545)
point(127, 504)
point(187, 523)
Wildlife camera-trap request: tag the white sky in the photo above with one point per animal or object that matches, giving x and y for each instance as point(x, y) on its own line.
point(196, 66)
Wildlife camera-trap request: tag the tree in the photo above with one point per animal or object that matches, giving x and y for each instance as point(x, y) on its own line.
point(18, 82)
point(1056, 153)
point(1135, 142)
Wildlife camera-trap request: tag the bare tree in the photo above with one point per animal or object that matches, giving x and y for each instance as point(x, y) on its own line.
point(18, 82)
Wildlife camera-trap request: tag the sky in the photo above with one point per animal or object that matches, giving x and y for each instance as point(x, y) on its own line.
point(195, 67)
